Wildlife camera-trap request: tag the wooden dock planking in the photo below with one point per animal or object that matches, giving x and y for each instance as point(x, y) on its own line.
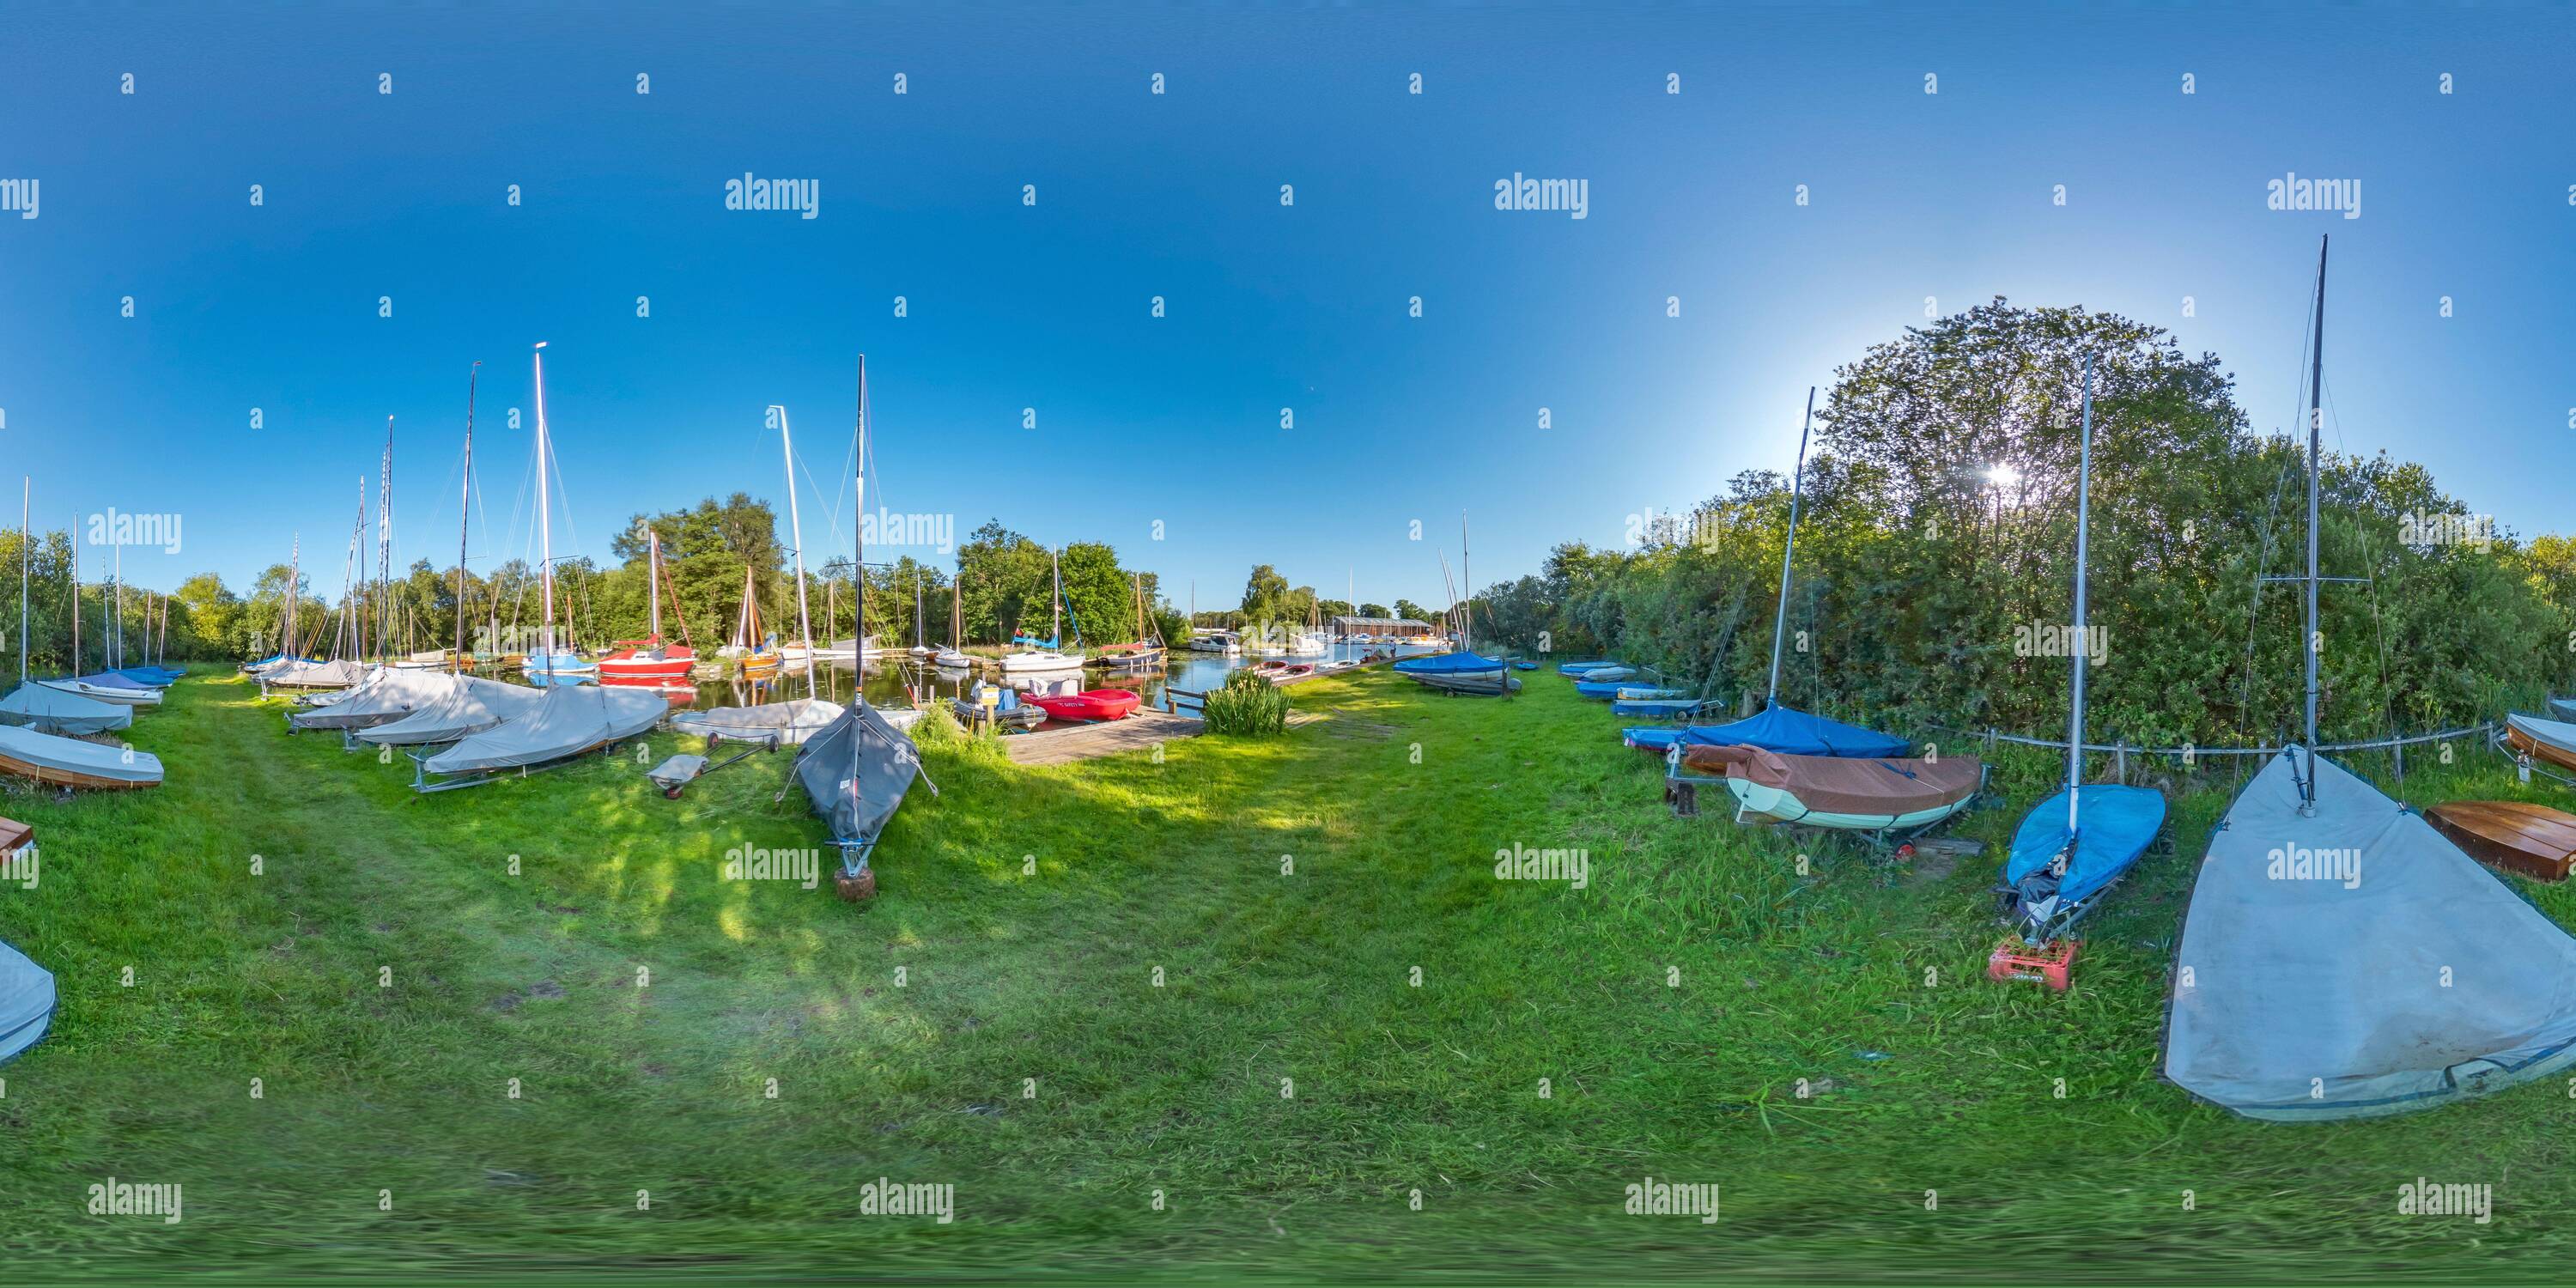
point(1088, 742)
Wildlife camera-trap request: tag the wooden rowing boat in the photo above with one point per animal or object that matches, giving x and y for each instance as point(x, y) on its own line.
point(2553, 741)
point(2534, 840)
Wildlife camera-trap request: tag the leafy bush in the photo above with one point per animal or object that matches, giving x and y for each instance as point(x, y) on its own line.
point(1249, 706)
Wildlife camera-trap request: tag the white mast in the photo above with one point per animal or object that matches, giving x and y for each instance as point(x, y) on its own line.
point(2316, 385)
point(796, 529)
point(1055, 624)
point(545, 524)
point(859, 531)
point(653, 577)
point(2083, 514)
point(26, 494)
point(1780, 624)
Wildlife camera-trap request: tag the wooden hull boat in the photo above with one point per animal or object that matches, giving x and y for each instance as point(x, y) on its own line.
point(1846, 794)
point(2552, 741)
point(1129, 657)
point(2534, 840)
point(75, 763)
point(1090, 704)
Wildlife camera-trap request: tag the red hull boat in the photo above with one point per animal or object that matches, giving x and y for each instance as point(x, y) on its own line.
point(648, 660)
point(1090, 704)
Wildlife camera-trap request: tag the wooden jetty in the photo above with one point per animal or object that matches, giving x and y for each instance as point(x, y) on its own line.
point(1137, 732)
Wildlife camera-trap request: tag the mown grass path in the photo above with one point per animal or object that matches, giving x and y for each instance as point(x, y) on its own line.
point(1275, 981)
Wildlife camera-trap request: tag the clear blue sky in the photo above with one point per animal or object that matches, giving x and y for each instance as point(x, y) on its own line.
point(1397, 419)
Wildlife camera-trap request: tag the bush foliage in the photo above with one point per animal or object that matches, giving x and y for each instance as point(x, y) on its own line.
point(1248, 706)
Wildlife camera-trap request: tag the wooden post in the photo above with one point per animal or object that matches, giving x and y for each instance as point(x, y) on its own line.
point(2398, 750)
point(2121, 752)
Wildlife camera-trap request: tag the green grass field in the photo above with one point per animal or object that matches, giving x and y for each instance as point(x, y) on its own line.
point(1150, 1018)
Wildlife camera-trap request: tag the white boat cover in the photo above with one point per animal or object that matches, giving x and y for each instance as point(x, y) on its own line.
point(102, 693)
point(385, 696)
point(73, 756)
point(790, 722)
point(2356, 963)
point(313, 675)
point(474, 705)
point(567, 722)
point(47, 709)
point(26, 1003)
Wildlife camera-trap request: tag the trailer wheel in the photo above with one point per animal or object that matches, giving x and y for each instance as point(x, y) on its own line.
point(671, 793)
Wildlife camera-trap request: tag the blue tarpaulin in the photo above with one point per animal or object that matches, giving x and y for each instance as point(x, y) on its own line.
point(2116, 825)
point(26, 1002)
point(1447, 664)
point(1780, 729)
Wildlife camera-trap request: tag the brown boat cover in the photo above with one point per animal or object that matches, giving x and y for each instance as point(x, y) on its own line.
point(2534, 840)
point(1847, 785)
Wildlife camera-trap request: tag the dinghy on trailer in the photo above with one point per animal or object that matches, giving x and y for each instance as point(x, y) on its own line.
point(313, 675)
point(125, 693)
point(71, 762)
point(47, 709)
point(388, 695)
point(1889, 796)
point(1467, 673)
point(570, 720)
point(472, 706)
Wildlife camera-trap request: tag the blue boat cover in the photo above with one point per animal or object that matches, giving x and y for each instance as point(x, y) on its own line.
point(112, 680)
point(2564, 707)
point(1604, 688)
point(1447, 664)
point(26, 1002)
point(1779, 729)
point(2117, 825)
point(150, 677)
point(1655, 708)
point(1576, 668)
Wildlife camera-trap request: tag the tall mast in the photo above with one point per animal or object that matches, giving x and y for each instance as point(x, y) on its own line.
point(76, 604)
point(353, 583)
point(464, 511)
point(796, 529)
point(859, 530)
point(26, 494)
point(1780, 624)
point(653, 576)
point(1467, 585)
point(2083, 515)
point(545, 524)
point(918, 638)
point(2316, 420)
point(116, 637)
point(1056, 606)
point(294, 573)
point(385, 551)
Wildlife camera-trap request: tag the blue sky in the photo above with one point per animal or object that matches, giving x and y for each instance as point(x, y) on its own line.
point(1139, 420)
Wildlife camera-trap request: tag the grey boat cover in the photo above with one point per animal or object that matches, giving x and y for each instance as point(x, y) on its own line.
point(569, 720)
point(472, 706)
point(26, 1003)
point(2355, 963)
point(136, 696)
point(856, 773)
point(46, 709)
point(386, 696)
point(790, 722)
point(71, 755)
point(313, 675)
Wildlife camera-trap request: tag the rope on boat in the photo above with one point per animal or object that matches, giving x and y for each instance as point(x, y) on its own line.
point(2486, 730)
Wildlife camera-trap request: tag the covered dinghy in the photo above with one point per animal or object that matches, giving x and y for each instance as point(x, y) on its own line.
point(856, 772)
point(780, 724)
point(2354, 963)
point(2550, 741)
point(2563, 708)
point(114, 689)
point(1458, 673)
point(472, 706)
point(70, 762)
point(26, 1003)
point(312, 675)
point(1878, 794)
point(567, 722)
point(1781, 729)
point(387, 695)
point(2114, 825)
point(46, 709)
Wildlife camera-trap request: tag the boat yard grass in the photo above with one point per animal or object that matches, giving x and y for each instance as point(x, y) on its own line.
point(533, 1024)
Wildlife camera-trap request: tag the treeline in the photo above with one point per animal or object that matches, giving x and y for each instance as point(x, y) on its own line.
point(1936, 545)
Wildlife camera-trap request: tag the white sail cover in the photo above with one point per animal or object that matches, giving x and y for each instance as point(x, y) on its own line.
point(46, 709)
point(568, 721)
point(790, 722)
point(2355, 963)
point(387, 695)
point(313, 675)
point(474, 705)
point(73, 756)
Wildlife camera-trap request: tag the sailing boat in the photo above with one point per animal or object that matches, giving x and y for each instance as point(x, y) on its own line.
point(41, 707)
point(1042, 654)
point(2077, 842)
point(549, 662)
point(953, 657)
point(100, 686)
point(750, 648)
point(1147, 652)
point(48, 757)
point(920, 640)
point(649, 660)
point(2340, 957)
point(1776, 727)
point(1464, 671)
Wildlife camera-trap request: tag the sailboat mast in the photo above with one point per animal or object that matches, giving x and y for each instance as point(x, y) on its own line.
point(26, 494)
point(919, 639)
point(859, 530)
point(545, 523)
point(1055, 624)
point(385, 551)
point(464, 513)
point(2083, 515)
point(294, 573)
point(76, 604)
point(1788, 549)
point(796, 529)
point(2316, 420)
point(1466, 583)
point(653, 576)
